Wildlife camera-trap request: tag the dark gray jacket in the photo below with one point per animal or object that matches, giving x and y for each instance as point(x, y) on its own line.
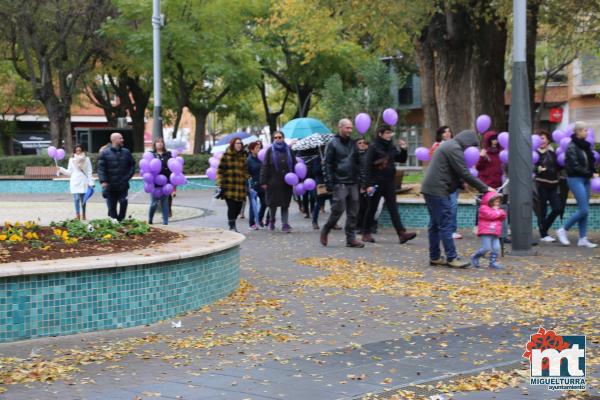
point(342, 164)
point(447, 167)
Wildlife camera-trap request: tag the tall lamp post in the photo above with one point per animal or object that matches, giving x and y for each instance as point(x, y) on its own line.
point(519, 126)
point(157, 24)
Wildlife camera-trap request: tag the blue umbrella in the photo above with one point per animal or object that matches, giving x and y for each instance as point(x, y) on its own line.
point(227, 138)
point(302, 127)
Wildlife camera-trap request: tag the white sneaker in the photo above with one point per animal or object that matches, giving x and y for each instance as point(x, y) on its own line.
point(456, 235)
point(562, 236)
point(548, 238)
point(584, 242)
point(474, 230)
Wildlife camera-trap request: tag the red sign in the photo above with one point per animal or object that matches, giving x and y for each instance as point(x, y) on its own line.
point(556, 115)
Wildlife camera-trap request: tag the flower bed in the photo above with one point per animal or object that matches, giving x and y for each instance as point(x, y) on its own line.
point(29, 241)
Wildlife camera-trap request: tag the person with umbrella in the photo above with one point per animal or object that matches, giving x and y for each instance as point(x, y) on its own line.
point(579, 164)
point(279, 160)
point(546, 181)
point(159, 151)
point(232, 176)
point(80, 172)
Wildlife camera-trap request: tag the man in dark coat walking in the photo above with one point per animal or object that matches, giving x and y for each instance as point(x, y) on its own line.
point(444, 174)
point(115, 169)
point(342, 176)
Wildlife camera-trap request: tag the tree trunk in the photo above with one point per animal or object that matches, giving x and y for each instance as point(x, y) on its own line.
point(200, 130)
point(177, 121)
point(429, 104)
point(303, 95)
point(136, 108)
point(466, 61)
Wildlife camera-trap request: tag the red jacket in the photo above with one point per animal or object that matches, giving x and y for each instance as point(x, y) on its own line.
point(490, 166)
point(490, 219)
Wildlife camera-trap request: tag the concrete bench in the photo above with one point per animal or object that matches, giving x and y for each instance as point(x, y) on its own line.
point(40, 172)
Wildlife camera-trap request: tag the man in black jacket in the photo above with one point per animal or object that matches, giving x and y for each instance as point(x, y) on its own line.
point(380, 178)
point(115, 169)
point(342, 175)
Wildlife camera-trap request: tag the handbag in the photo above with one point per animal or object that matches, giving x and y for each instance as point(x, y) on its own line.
point(218, 193)
point(322, 190)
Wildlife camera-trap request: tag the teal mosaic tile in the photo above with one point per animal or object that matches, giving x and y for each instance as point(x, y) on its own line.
point(416, 216)
point(73, 302)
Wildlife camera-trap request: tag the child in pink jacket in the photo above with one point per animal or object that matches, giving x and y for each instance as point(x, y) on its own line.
point(489, 228)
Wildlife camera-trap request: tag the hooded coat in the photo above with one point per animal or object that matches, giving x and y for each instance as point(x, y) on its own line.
point(490, 219)
point(490, 166)
point(447, 167)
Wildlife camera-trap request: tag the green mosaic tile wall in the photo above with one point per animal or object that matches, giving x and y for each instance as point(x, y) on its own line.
point(416, 216)
point(72, 302)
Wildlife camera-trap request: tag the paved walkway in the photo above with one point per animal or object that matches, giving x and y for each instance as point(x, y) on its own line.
point(328, 323)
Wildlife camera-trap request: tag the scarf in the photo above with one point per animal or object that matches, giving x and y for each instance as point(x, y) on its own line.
point(79, 161)
point(281, 148)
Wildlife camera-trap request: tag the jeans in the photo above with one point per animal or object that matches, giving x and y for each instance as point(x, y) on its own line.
point(164, 203)
point(285, 212)
point(454, 204)
point(388, 192)
point(317, 202)
point(345, 199)
point(79, 204)
point(547, 194)
point(257, 212)
point(440, 226)
point(112, 199)
point(581, 190)
point(489, 243)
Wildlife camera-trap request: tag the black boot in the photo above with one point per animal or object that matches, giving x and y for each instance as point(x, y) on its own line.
point(232, 226)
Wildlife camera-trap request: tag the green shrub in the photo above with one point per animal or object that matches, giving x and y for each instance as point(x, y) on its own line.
point(195, 164)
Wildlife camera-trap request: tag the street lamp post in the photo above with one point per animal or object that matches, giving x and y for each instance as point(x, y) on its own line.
point(519, 126)
point(157, 24)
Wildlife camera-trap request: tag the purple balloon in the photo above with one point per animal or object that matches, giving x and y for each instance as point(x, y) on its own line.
point(483, 123)
point(595, 184)
point(291, 179)
point(148, 187)
point(155, 165)
point(174, 153)
point(503, 139)
point(309, 184)
point(175, 166)
point(536, 142)
point(211, 173)
point(52, 151)
point(160, 180)
point(504, 156)
point(569, 130)
point(213, 162)
point(471, 156)
point(144, 165)
point(261, 154)
point(564, 143)
point(474, 172)
point(148, 156)
point(560, 159)
point(362, 122)
point(300, 170)
point(299, 160)
point(299, 189)
point(535, 157)
point(157, 192)
point(148, 177)
point(218, 155)
point(390, 116)
point(177, 179)
point(168, 189)
point(422, 153)
point(557, 135)
point(180, 160)
point(559, 151)
point(60, 154)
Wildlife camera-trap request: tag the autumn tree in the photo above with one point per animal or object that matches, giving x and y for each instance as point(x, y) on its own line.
point(52, 45)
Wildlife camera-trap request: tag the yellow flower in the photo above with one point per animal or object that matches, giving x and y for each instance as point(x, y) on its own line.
point(30, 224)
point(45, 248)
point(29, 235)
point(107, 236)
point(2, 237)
point(57, 232)
point(17, 223)
point(71, 241)
point(65, 235)
point(15, 238)
point(35, 235)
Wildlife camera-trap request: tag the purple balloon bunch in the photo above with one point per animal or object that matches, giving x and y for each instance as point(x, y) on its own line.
point(297, 179)
point(214, 161)
point(56, 154)
point(156, 183)
point(422, 153)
